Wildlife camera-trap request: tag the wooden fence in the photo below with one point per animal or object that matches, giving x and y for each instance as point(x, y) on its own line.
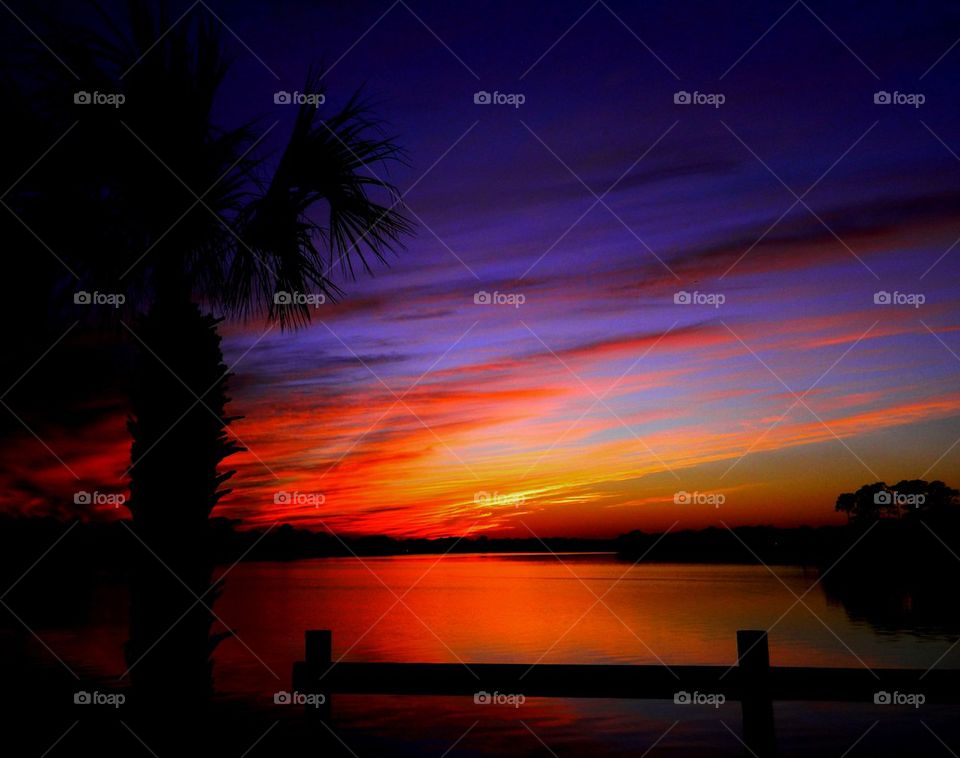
point(752, 682)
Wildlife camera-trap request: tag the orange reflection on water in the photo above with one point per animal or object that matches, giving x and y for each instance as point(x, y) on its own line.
point(538, 608)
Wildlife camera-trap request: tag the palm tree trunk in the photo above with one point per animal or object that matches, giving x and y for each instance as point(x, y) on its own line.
point(178, 444)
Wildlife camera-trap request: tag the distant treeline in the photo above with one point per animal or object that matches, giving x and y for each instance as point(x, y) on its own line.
point(109, 546)
point(877, 568)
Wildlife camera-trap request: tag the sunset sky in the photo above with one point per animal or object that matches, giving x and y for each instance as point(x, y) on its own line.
point(415, 410)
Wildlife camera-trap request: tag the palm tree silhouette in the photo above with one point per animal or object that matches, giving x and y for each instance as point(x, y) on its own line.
point(161, 203)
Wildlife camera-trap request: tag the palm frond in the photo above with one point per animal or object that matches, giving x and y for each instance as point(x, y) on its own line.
point(319, 212)
point(324, 208)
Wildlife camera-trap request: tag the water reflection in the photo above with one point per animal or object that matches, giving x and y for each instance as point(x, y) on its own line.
point(524, 609)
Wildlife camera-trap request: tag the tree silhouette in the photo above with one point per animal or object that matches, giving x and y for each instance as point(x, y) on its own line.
point(863, 504)
point(907, 499)
point(158, 201)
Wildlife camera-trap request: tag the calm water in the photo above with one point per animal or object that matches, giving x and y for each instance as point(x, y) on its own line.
point(514, 608)
point(529, 608)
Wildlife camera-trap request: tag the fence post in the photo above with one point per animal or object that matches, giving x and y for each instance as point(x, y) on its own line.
point(318, 655)
point(756, 703)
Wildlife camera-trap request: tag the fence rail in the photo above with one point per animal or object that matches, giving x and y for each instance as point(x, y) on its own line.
point(752, 681)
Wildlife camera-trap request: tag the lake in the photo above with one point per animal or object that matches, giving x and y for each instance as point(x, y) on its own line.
point(531, 609)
